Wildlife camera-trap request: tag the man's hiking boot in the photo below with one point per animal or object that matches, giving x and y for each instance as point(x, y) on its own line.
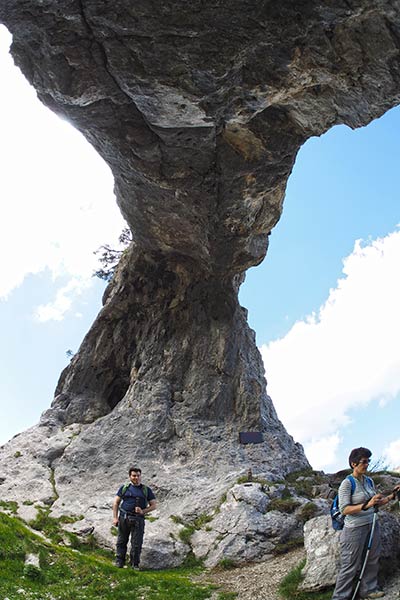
point(119, 563)
point(135, 567)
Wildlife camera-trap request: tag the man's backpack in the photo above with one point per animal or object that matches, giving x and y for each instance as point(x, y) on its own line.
point(144, 488)
point(336, 515)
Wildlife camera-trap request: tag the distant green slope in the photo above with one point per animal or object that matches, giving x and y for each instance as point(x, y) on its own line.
point(68, 574)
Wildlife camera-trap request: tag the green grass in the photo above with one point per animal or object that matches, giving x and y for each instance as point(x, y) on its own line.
point(226, 564)
point(186, 533)
point(288, 587)
point(285, 547)
point(66, 573)
point(10, 506)
point(283, 505)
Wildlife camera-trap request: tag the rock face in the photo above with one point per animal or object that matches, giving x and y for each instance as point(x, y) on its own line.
point(199, 109)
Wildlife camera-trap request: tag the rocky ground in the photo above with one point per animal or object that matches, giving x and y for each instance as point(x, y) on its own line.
point(261, 580)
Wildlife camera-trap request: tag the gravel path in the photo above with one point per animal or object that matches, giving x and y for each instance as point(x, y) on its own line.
point(261, 580)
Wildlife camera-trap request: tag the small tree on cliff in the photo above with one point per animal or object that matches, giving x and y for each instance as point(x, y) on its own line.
point(109, 257)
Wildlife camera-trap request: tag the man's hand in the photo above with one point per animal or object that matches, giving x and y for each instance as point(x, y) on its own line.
point(115, 521)
point(139, 510)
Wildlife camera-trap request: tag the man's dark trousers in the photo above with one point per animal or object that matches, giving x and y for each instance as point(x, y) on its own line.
point(134, 526)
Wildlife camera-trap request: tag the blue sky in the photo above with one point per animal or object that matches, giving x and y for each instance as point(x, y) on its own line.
point(324, 303)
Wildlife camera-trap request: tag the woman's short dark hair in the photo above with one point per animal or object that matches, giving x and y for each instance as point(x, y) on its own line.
point(135, 470)
point(357, 454)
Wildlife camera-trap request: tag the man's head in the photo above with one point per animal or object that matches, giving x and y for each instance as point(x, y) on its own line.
point(135, 474)
point(357, 455)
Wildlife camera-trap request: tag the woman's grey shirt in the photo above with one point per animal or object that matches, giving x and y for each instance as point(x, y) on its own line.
point(364, 490)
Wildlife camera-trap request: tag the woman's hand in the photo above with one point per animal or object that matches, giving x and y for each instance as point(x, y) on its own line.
point(376, 500)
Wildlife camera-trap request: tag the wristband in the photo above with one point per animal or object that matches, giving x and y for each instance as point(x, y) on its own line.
point(364, 506)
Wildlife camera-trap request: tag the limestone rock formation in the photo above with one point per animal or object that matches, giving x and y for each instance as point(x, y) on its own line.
point(199, 108)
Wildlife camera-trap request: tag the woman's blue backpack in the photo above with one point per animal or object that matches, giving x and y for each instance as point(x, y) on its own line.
point(336, 515)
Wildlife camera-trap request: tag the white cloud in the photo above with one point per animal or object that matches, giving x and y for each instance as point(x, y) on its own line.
point(346, 355)
point(391, 454)
point(322, 452)
point(55, 311)
point(56, 194)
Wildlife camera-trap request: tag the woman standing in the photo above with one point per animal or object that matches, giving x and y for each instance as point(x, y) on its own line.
point(358, 507)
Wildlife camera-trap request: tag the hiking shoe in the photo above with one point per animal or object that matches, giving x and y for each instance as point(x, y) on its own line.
point(135, 567)
point(376, 594)
point(119, 563)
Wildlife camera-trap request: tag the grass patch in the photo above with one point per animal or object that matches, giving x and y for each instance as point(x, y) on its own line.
point(186, 533)
point(308, 511)
point(288, 587)
point(303, 481)
point(290, 545)
point(189, 528)
point(201, 520)
point(151, 519)
point(226, 564)
point(283, 505)
point(176, 519)
point(9, 505)
point(65, 573)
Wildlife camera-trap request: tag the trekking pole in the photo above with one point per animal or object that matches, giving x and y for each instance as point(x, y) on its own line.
point(371, 537)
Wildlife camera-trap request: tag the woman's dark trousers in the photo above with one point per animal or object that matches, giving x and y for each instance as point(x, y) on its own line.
point(134, 527)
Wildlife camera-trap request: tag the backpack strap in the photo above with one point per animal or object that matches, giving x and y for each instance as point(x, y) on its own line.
point(124, 488)
point(144, 489)
point(353, 483)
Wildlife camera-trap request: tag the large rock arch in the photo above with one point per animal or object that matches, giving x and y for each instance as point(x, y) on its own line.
point(199, 109)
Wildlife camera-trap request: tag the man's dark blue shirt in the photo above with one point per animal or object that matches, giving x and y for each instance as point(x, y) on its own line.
point(134, 496)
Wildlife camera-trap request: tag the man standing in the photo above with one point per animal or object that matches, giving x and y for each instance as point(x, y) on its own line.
point(137, 501)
